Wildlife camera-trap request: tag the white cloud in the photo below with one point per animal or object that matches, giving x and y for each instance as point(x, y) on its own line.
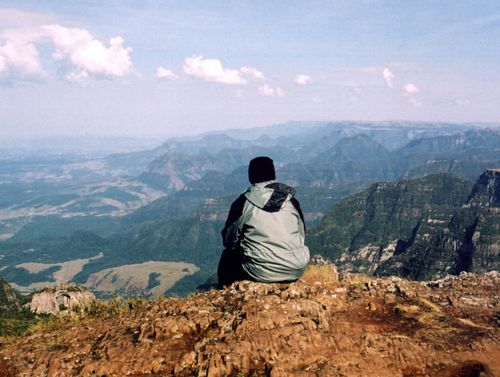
point(87, 54)
point(212, 70)
point(267, 91)
point(388, 77)
point(414, 102)
point(19, 54)
point(20, 58)
point(253, 72)
point(302, 79)
point(410, 89)
point(166, 74)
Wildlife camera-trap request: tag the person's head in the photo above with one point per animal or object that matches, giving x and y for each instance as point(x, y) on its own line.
point(261, 169)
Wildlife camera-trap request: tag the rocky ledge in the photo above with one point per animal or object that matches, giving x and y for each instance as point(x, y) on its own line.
point(323, 325)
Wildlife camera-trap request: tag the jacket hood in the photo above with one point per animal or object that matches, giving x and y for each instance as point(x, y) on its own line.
point(269, 196)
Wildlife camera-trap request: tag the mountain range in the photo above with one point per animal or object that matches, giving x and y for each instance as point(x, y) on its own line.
point(384, 198)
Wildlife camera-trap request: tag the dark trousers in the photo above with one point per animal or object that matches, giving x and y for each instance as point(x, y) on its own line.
point(231, 268)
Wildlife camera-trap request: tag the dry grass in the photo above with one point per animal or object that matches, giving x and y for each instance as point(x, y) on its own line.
point(87, 312)
point(321, 273)
point(430, 305)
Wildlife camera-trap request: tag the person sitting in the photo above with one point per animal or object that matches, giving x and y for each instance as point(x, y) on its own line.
point(264, 232)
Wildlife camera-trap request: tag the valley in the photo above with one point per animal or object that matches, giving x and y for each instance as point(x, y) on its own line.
point(386, 198)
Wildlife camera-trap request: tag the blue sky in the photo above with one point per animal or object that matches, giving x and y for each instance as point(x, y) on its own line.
point(164, 68)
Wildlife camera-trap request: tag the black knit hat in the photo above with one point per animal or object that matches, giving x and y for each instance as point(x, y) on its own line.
point(261, 169)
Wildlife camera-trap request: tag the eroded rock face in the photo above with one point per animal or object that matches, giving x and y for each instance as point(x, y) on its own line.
point(323, 325)
point(421, 229)
point(60, 298)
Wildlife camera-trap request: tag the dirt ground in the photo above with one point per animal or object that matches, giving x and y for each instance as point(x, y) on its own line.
point(325, 324)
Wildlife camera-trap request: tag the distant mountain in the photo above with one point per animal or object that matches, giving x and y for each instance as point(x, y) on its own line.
point(136, 163)
point(354, 159)
point(468, 169)
point(195, 179)
point(174, 169)
point(461, 153)
point(470, 144)
point(391, 134)
point(333, 155)
point(420, 228)
point(186, 202)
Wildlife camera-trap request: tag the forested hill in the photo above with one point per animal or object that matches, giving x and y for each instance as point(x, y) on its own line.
point(422, 228)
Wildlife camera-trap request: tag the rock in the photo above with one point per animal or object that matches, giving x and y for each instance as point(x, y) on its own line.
point(390, 298)
point(317, 326)
point(60, 298)
point(320, 260)
point(452, 301)
point(391, 288)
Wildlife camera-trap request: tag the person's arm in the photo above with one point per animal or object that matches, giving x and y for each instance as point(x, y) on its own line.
point(230, 233)
point(296, 205)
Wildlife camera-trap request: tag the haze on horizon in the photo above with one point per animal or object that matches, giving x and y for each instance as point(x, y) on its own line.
point(159, 69)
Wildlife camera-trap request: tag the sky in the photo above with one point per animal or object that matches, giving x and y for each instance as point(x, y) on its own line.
point(172, 68)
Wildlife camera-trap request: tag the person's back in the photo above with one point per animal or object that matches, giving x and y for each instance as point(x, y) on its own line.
point(264, 233)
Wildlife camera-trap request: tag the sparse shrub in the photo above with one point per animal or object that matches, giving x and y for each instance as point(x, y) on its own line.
point(110, 307)
point(325, 273)
point(15, 324)
point(87, 311)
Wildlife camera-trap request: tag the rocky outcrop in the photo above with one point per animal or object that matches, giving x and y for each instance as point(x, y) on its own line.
point(486, 191)
point(323, 325)
point(421, 229)
point(53, 300)
point(9, 299)
point(480, 218)
point(469, 241)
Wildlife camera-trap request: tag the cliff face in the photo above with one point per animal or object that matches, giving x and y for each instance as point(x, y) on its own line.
point(469, 241)
point(422, 229)
point(486, 191)
point(482, 245)
point(323, 325)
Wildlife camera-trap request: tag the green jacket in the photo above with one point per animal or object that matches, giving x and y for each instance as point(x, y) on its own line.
point(267, 224)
